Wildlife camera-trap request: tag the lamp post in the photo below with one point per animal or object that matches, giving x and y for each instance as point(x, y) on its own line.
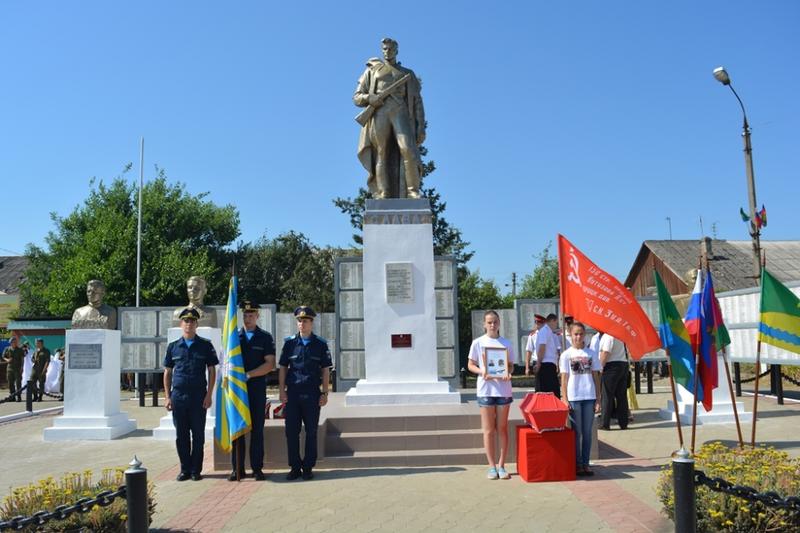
point(755, 232)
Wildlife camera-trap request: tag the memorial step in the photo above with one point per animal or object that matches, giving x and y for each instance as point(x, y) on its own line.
point(466, 456)
point(403, 440)
point(440, 422)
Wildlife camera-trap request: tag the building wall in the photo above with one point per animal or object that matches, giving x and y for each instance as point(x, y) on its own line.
point(644, 282)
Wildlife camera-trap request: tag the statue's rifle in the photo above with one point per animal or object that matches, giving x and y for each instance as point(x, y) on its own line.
point(363, 117)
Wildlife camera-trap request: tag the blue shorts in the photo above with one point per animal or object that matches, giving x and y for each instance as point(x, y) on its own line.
point(491, 401)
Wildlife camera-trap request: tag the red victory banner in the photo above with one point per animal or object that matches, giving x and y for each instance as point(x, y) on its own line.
point(595, 297)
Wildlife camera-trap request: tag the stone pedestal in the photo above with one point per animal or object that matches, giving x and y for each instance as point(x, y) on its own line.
point(166, 428)
point(399, 308)
point(91, 389)
point(721, 409)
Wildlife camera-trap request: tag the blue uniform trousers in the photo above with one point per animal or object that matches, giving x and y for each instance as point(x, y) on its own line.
point(189, 418)
point(302, 407)
point(257, 398)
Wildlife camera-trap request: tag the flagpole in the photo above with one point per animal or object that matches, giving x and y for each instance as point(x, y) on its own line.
point(697, 367)
point(675, 400)
point(755, 397)
point(733, 398)
point(139, 224)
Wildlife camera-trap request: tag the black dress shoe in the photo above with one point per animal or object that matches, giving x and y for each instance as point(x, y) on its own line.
point(233, 477)
point(183, 476)
point(292, 475)
point(197, 477)
point(258, 475)
point(308, 474)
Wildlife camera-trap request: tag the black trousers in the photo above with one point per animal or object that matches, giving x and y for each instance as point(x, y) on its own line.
point(615, 393)
point(257, 398)
point(547, 379)
point(189, 418)
point(302, 408)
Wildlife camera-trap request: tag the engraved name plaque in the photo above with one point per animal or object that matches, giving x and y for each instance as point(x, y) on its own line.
point(85, 356)
point(399, 283)
point(351, 304)
point(351, 275)
point(444, 303)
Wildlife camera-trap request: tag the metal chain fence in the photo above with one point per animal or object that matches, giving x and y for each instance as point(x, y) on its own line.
point(770, 499)
point(62, 512)
point(16, 396)
point(790, 379)
point(748, 380)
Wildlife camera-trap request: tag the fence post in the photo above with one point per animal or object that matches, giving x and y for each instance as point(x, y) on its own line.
point(737, 378)
point(463, 378)
point(333, 380)
point(136, 496)
point(637, 376)
point(29, 396)
point(683, 486)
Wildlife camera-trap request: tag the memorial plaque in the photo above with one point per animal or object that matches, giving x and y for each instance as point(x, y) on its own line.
point(85, 356)
point(351, 304)
point(526, 312)
point(265, 319)
point(164, 322)
point(351, 275)
point(285, 326)
point(399, 283)
point(139, 356)
point(443, 272)
point(352, 365)
point(139, 323)
point(446, 363)
point(325, 327)
point(444, 303)
point(351, 336)
point(401, 340)
point(445, 336)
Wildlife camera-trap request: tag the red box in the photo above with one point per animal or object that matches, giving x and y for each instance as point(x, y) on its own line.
point(548, 456)
point(544, 411)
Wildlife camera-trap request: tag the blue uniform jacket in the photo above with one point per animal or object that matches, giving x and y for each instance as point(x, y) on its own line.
point(254, 351)
point(304, 363)
point(189, 364)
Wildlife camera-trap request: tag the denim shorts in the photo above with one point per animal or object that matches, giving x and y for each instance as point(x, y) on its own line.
point(491, 401)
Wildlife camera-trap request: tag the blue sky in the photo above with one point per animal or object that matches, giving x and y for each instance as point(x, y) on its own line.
point(594, 119)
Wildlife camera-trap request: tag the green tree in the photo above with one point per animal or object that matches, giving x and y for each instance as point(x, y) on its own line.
point(182, 235)
point(447, 239)
point(474, 292)
point(543, 281)
point(289, 271)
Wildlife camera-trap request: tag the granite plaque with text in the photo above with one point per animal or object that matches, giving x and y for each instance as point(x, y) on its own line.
point(85, 356)
point(445, 336)
point(351, 275)
point(443, 272)
point(401, 340)
point(139, 323)
point(352, 365)
point(351, 336)
point(444, 302)
point(351, 304)
point(446, 363)
point(399, 283)
point(139, 356)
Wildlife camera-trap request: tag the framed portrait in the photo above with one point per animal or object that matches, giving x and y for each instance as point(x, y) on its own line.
point(495, 361)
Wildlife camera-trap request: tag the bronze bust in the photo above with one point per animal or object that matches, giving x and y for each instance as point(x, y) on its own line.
point(95, 315)
point(196, 290)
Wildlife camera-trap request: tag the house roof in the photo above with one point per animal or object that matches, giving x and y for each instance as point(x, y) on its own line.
point(731, 261)
point(12, 270)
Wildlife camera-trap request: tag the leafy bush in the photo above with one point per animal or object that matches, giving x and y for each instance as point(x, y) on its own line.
point(48, 494)
point(764, 469)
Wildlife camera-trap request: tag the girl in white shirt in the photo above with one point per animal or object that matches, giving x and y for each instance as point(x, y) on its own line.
point(494, 393)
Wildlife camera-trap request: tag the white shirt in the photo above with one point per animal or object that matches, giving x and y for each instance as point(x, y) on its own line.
point(530, 346)
point(594, 344)
point(549, 340)
point(615, 349)
point(578, 364)
point(491, 387)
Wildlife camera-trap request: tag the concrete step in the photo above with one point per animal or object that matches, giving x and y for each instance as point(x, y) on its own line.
point(466, 456)
point(378, 441)
point(432, 422)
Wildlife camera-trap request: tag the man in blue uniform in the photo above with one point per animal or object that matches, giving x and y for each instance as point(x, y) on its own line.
point(305, 364)
point(189, 395)
point(258, 352)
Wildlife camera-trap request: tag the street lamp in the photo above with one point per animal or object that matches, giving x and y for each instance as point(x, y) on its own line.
point(755, 232)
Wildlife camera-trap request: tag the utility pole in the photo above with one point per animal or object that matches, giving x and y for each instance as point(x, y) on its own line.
point(669, 225)
point(514, 284)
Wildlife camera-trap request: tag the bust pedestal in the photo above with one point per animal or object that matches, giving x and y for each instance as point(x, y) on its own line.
point(166, 428)
point(91, 389)
point(399, 308)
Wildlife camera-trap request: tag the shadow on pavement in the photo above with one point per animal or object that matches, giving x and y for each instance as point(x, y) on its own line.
point(343, 473)
point(622, 471)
